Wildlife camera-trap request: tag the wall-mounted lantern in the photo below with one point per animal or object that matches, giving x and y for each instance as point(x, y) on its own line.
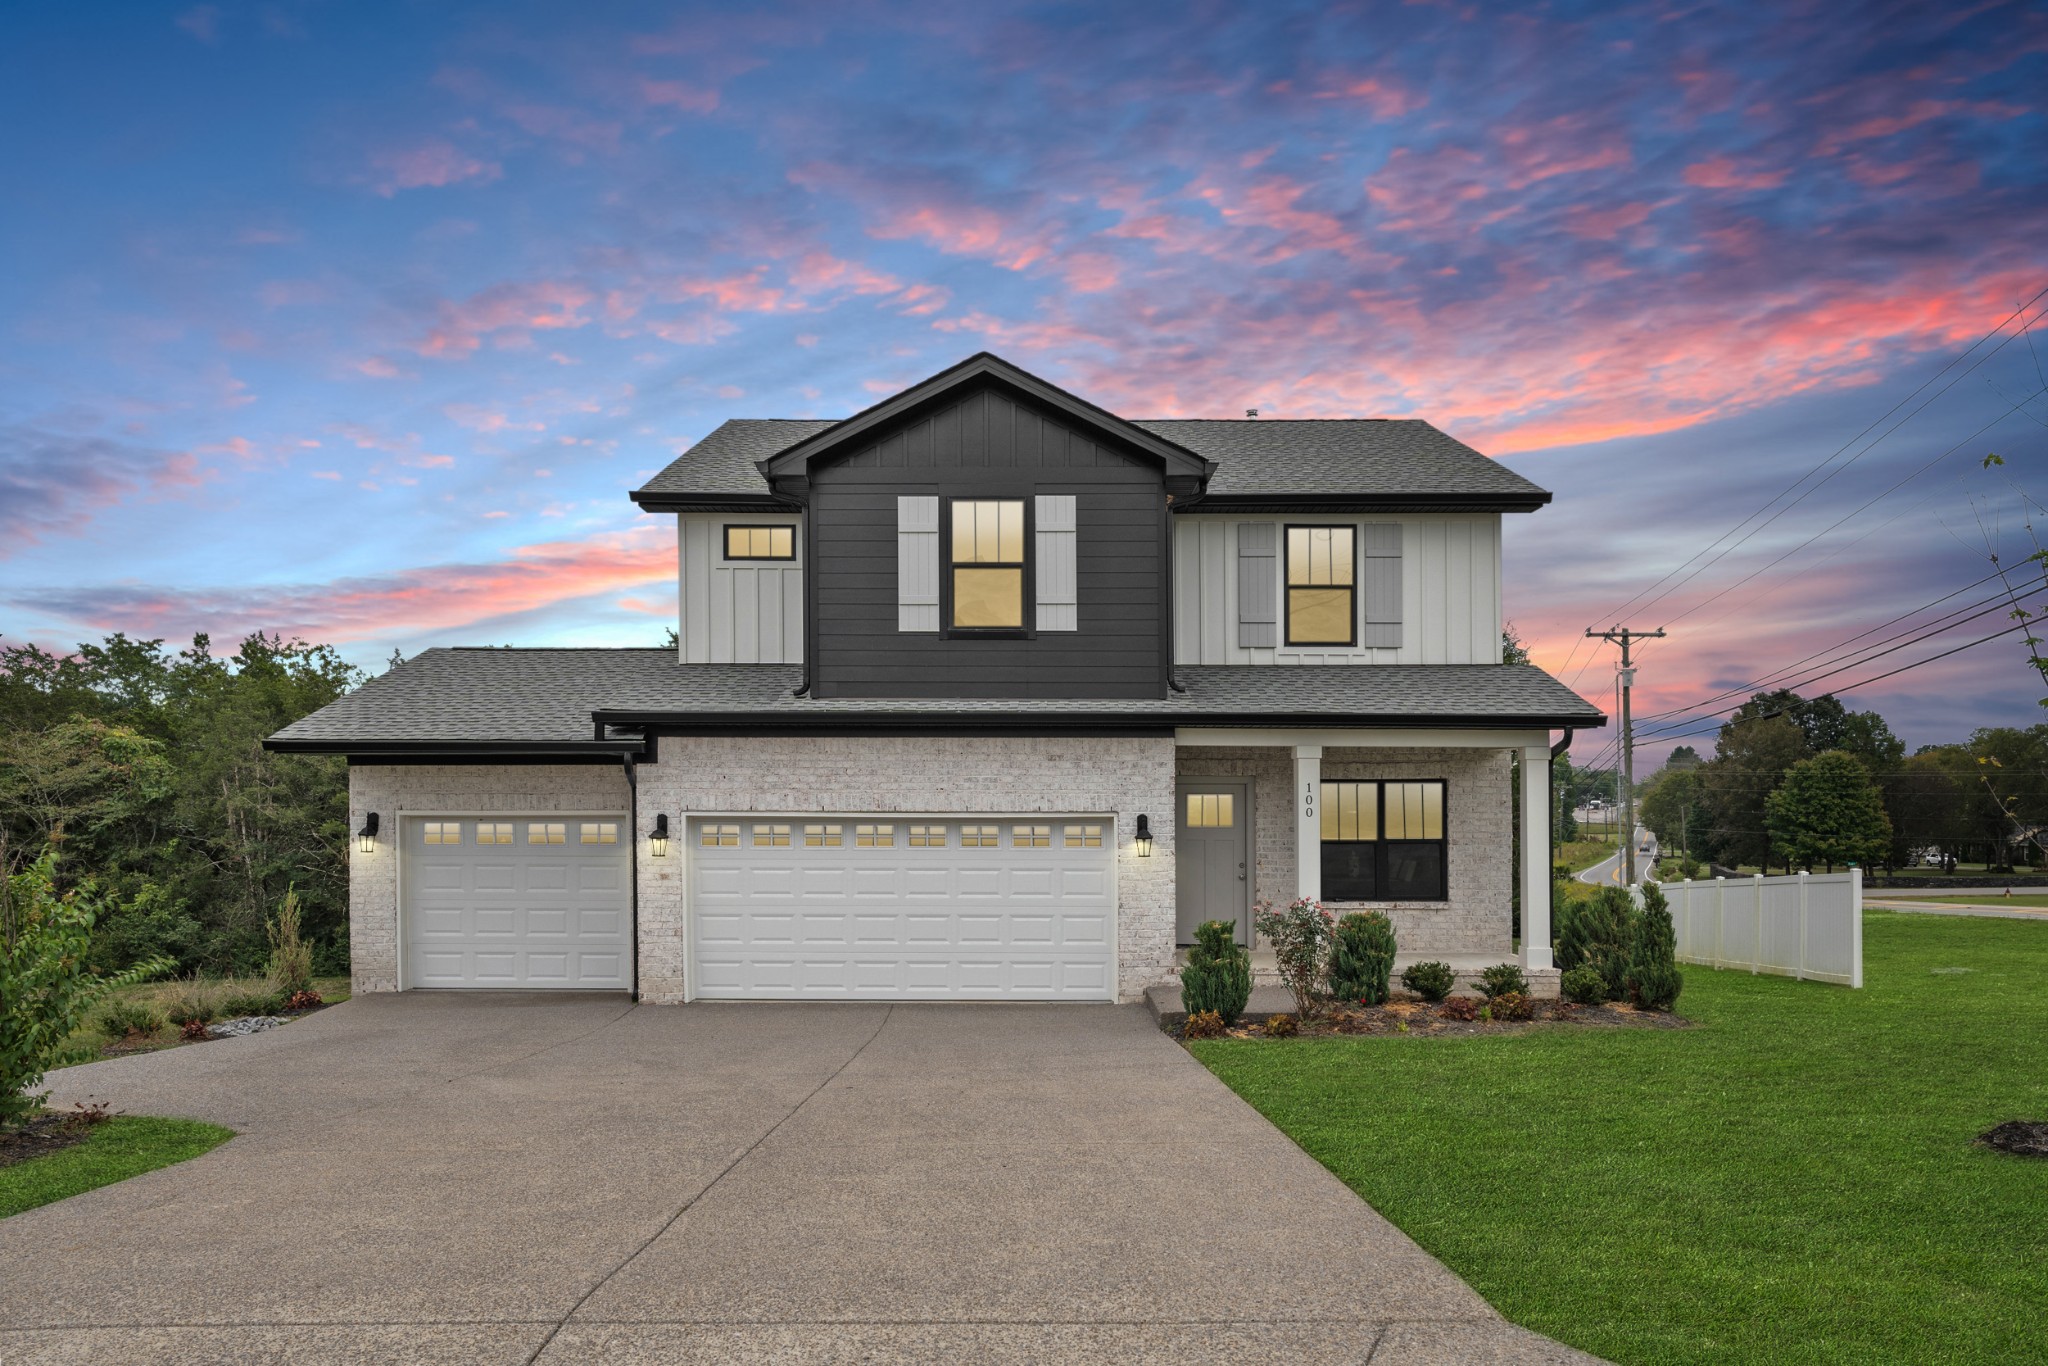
point(1144, 840)
point(366, 838)
point(657, 840)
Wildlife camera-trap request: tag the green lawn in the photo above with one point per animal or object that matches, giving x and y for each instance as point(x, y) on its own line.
point(116, 1150)
point(2016, 899)
point(1792, 1181)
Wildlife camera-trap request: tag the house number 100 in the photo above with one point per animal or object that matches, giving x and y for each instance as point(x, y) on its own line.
point(1308, 801)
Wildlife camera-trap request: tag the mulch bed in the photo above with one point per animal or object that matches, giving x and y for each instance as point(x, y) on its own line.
point(1419, 1017)
point(170, 1037)
point(2020, 1137)
point(40, 1136)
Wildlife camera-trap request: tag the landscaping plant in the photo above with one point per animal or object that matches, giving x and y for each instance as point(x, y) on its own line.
point(291, 958)
point(1218, 974)
point(1363, 958)
point(1503, 979)
point(1460, 1007)
point(1202, 1024)
point(1596, 933)
point(119, 1019)
point(250, 1003)
point(1281, 1026)
point(1584, 985)
point(1300, 936)
point(1431, 981)
point(46, 989)
point(1652, 979)
point(1511, 1005)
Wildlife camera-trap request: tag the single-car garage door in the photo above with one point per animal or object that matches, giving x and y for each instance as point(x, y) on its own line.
point(517, 901)
point(905, 908)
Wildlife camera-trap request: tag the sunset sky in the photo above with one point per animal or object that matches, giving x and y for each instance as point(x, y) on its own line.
point(356, 321)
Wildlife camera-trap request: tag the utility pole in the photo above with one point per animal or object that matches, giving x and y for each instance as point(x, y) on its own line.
point(1623, 636)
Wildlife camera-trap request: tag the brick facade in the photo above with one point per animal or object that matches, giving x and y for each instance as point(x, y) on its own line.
point(398, 789)
point(997, 775)
point(1477, 797)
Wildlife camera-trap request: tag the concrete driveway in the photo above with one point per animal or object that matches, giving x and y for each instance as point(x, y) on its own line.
point(511, 1178)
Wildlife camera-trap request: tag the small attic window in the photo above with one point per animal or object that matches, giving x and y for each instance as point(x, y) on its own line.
point(760, 542)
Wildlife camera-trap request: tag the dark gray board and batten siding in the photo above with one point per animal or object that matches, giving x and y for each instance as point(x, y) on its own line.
point(989, 445)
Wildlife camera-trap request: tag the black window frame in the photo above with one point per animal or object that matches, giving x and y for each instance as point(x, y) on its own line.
point(1025, 567)
point(1287, 586)
point(1382, 846)
point(725, 546)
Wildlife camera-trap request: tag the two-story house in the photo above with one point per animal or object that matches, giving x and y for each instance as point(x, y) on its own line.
point(981, 693)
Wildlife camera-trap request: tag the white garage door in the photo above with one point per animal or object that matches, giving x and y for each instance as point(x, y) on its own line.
point(879, 908)
point(517, 901)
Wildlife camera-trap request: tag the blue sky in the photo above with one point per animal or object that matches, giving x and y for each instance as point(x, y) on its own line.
point(356, 321)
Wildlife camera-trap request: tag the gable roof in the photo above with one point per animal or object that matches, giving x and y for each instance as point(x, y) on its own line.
point(550, 702)
point(1272, 464)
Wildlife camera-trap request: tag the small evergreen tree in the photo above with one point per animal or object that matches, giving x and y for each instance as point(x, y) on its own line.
point(1218, 973)
point(1595, 933)
point(1652, 979)
point(1362, 960)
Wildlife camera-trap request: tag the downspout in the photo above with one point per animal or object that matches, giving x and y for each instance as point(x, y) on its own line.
point(1550, 794)
point(810, 587)
point(633, 806)
point(1172, 607)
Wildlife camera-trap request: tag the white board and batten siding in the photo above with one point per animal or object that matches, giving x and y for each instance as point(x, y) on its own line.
point(1447, 568)
point(1808, 925)
point(738, 611)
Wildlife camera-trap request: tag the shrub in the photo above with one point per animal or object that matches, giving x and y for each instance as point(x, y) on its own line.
point(1584, 985)
point(1218, 974)
point(190, 1007)
point(1363, 958)
point(194, 1030)
point(303, 1000)
point(1460, 1008)
point(1511, 1005)
point(1281, 1026)
point(250, 1003)
point(119, 1019)
point(89, 1115)
point(1300, 936)
point(1430, 981)
point(291, 958)
point(1502, 979)
point(46, 989)
point(1652, 978)
point(1202, 1024)
point(1596, 933)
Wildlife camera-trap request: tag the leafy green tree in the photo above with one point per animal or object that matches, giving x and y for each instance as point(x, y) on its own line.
point(1750, 759)
point(1685, 756)
point(1828, 811)
point(1512, 651)
point(1926, 806)
point(1673, 805)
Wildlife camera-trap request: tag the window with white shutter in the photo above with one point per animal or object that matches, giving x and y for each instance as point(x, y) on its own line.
point(917, 564)
point(1058, 574)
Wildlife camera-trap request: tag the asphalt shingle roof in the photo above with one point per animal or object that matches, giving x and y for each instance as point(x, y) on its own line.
point(484, 696)
point(1263, 456)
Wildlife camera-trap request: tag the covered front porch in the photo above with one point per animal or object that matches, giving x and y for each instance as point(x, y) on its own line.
point(1418, 823)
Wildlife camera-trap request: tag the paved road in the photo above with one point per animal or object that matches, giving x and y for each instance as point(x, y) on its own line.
point(1609, 870)
point(506, 1178)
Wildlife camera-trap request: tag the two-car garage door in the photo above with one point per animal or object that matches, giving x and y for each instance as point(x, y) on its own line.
point(906, 908)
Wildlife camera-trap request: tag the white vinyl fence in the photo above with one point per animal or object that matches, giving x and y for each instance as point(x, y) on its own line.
point(1807, 925)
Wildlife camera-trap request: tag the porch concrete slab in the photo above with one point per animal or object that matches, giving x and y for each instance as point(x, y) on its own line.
point(477, 1177)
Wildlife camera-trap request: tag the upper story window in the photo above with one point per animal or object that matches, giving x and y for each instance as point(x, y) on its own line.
point(760, 542)
point(1322, 585)
point(986, 565)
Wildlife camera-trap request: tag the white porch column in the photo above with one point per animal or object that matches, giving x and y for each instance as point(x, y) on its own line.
point(1308, 821)
point(1535, 869)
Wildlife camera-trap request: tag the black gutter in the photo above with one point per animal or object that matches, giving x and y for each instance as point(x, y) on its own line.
point(594, 750)
point(656, 500)
point(1071, 723)
point(1362, 502)
point(633, 816)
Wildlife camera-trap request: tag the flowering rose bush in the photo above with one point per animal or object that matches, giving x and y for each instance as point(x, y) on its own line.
point(1301, 936)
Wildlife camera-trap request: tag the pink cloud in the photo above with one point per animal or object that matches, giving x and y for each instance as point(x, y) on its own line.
point(1724, 173)
point(508, 314)
point(486, 420)
point(1386, 98)
point(691, 99)
point(568, 126)
point(202, 22)
point(376, 367)
point(431, 164)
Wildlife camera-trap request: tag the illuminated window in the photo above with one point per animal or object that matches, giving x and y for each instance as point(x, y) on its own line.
point(927, 836)
point(988, 563)
point(718, 836)
point(494, 832)
point(1212, 809)
point(822, 836)
point(771, 837)
point(1322, 585)
point(980, 837)
point(600, 832)
point(760, 543)
point(542, 832)
point(1031, 837)
point(1084, 837)
point(874, 836)
point(443, 832)
point(1384, 841)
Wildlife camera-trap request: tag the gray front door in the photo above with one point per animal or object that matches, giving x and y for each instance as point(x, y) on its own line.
point(1212, 853)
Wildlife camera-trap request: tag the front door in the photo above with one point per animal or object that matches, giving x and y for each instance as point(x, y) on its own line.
point(1212, 853)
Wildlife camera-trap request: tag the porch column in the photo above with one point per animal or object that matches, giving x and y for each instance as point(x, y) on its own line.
point(1535, 869)
point(1308, 821)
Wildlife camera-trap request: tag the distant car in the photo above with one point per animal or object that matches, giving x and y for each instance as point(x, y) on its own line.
point(1597, 804)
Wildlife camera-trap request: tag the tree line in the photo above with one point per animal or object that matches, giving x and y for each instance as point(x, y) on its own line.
point(144, 769)
point(1797, 782)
